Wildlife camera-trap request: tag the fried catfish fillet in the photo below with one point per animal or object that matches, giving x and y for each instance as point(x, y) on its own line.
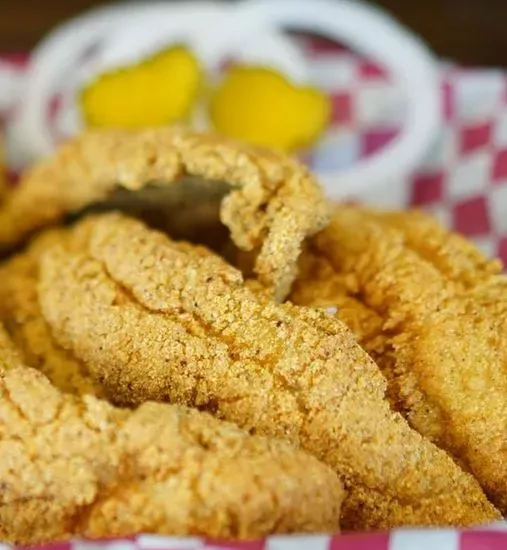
point(268, 201)
point(156, 319)
point(432, 311)
point(22, 318)
point(76, 466)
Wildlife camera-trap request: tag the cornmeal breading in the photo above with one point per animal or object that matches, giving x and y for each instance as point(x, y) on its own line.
point(154, 319)
point(21, 315)
point(75, 466)
point(431, 310)
point(272, 203)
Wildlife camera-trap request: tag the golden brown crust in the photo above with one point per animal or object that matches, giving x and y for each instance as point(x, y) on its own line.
point(157, 320)
point(320, 285)
point(20, 313)
point(273, 204)
point(74, 466)
point(3, 175)
point(454, 256)
point(437, 318)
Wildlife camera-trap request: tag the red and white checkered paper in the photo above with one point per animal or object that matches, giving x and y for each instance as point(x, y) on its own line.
point(494, 538)
point(463, 178)
point(462, 181)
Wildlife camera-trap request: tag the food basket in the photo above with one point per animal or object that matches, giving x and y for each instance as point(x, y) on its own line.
point(462, 181)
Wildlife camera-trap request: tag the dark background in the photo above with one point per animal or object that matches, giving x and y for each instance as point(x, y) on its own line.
point(473, 32)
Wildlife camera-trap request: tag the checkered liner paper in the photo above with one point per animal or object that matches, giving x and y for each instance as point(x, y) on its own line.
point(462, 181)
point(491, 539)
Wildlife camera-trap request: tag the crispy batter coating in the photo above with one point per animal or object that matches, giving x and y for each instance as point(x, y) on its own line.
point(273, 202)
point(20, 313)
point(432, 311)
point(454, 256)
point(73, 466)
point(154, 319)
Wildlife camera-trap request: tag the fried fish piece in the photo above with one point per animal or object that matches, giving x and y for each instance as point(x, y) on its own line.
point(21, 315)
point(155, 319)
point(271, 201)
point(431, 310)
point(457, 258)
point(76, 466)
